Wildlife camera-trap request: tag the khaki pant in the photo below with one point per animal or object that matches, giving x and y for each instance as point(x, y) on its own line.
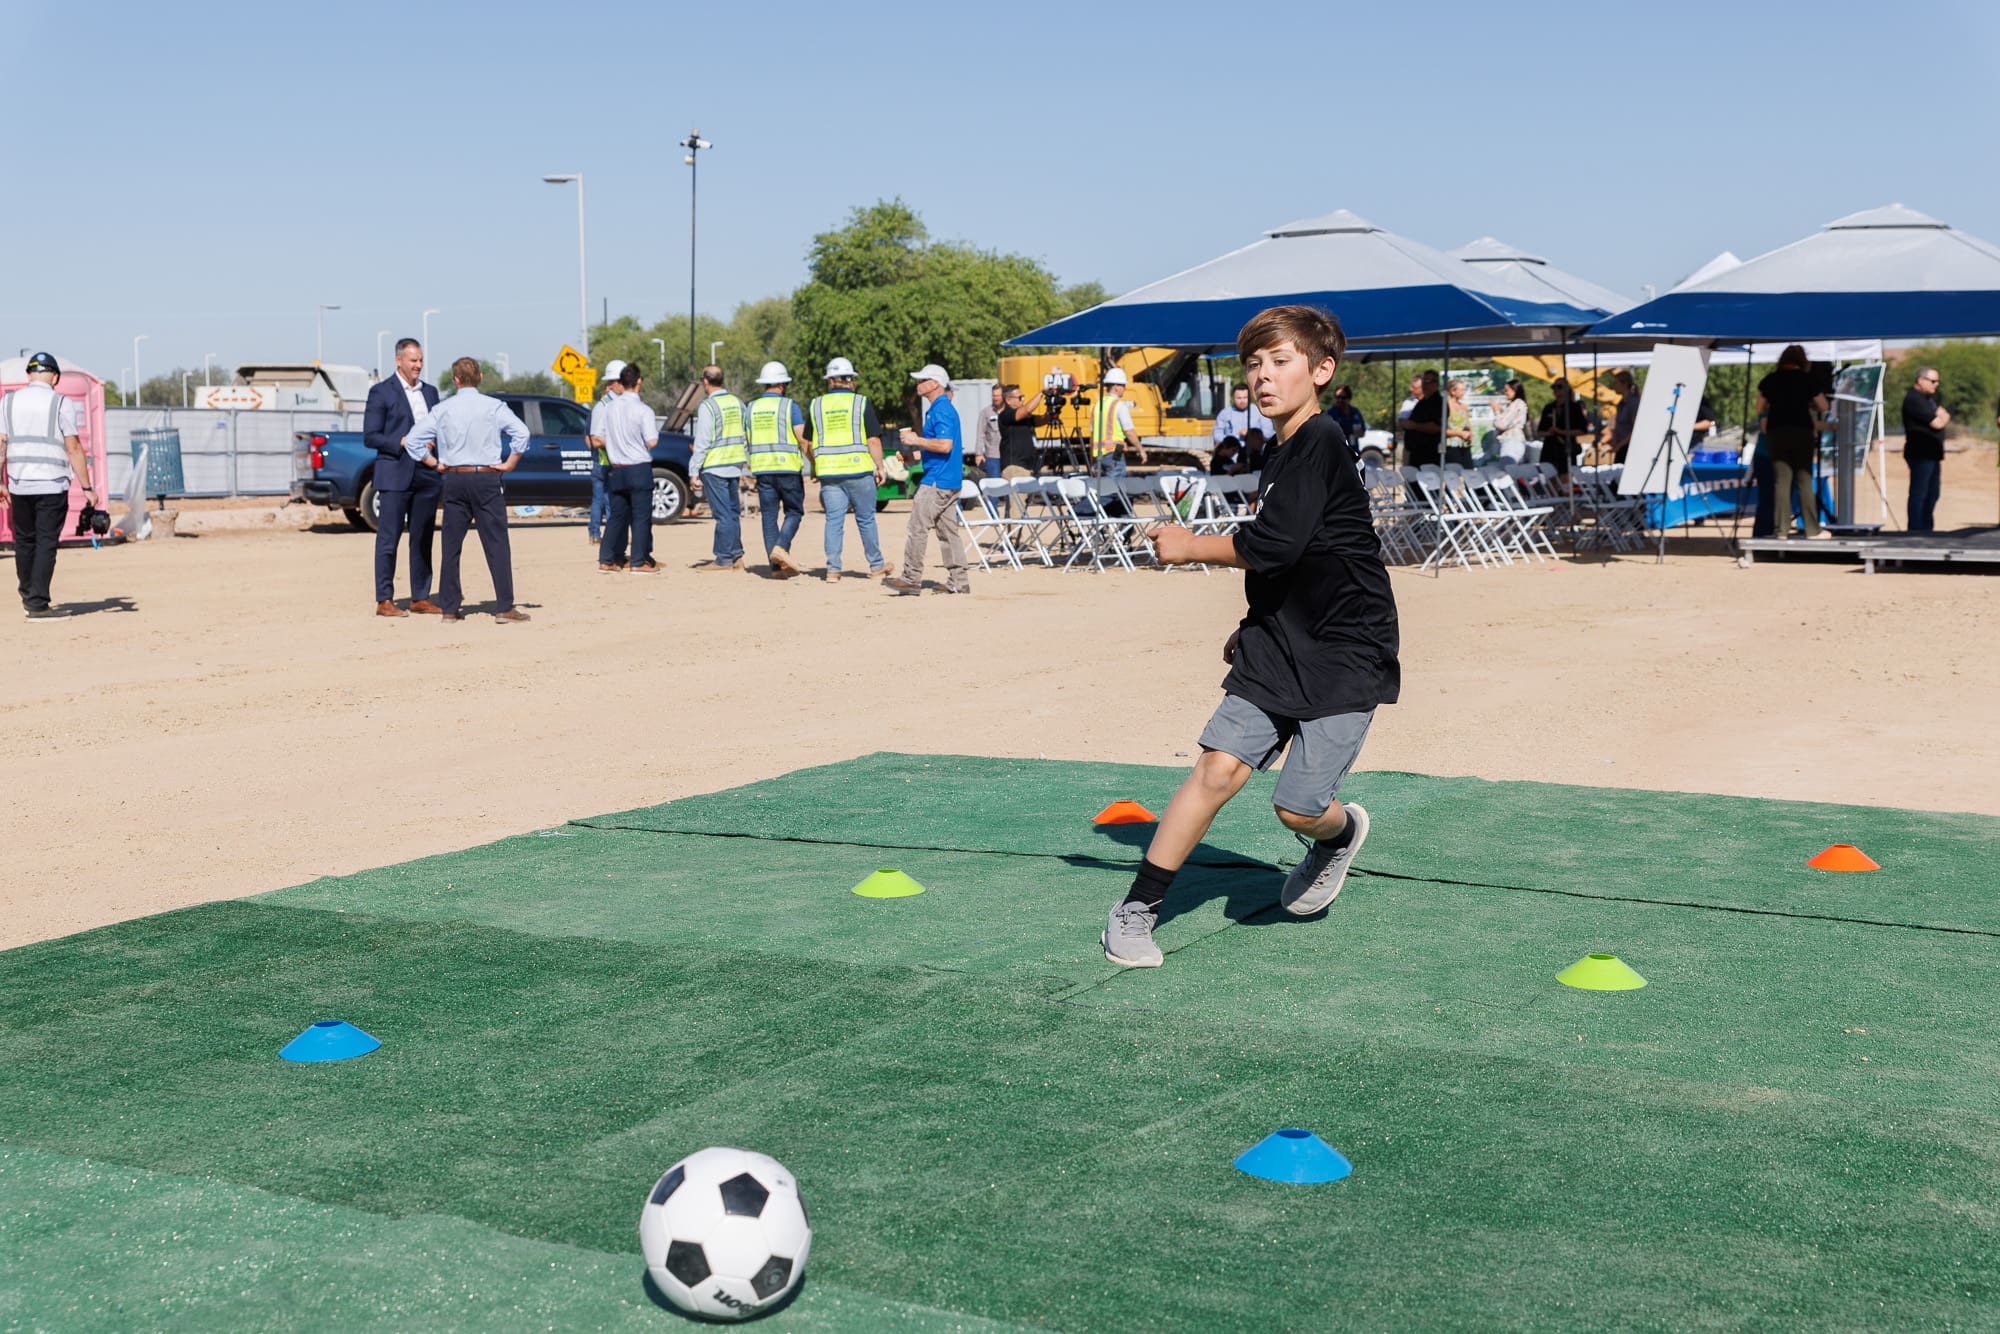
point(1789, 478)
point(936, 508)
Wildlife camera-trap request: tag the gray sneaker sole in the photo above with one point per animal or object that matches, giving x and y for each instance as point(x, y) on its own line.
point(1325, 887)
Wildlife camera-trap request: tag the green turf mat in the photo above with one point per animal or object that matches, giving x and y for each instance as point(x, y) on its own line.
point(1733, 996)
point(87, 1246)
point(966, 1145)
point(1600, 842)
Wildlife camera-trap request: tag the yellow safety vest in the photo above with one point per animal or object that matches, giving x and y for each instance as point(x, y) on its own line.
point(840, 434)
point(726, 446)
point(774, 446)
point(1106, 437)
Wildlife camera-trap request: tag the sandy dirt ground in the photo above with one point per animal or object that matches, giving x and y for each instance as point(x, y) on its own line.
point(230, 717)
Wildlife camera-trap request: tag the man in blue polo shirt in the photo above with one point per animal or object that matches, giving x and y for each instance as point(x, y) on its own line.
point(936, 505)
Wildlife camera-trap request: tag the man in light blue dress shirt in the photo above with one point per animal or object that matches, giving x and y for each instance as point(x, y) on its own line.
point(468, 429)
point(1239, 418)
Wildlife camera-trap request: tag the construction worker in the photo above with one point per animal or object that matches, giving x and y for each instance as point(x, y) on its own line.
point(1112, 434)
point(41, 457)
point(847, 460)
point(774, 427)
point(715, 468)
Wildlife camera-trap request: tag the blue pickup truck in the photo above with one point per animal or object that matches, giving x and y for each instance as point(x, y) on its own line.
point(337, 468)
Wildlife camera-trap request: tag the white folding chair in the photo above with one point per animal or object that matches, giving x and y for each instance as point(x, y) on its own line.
point(984, 523)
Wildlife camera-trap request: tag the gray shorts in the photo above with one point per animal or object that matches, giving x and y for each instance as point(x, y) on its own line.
point(1322, 749)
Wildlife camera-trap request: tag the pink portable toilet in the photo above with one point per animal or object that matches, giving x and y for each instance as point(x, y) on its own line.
point(88, 391)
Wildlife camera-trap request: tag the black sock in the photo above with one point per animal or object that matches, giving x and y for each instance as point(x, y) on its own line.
point(1342, 839)
point(1149, 886)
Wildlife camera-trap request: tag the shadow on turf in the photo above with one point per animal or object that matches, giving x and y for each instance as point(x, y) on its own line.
point(660, 1299)
point(1247, 886)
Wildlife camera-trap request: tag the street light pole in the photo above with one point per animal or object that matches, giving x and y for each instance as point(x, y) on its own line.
point(694, 143)
point(380, 334)
point(186, 399)
point(138, 385)
point(582, 273)
point(427, 328)
point(505, 373)
point(711, 350)
point(663, 358)
point(206, 358)
point(319, 323)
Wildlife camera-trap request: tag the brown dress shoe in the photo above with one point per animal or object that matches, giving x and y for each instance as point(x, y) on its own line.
point(717, 567)
point(425, 607)
point(609, 567)
point(903, 587)
point(781, 561)
point(646, 567)
point(454, 616)
point(389, 609)
point(511, 614)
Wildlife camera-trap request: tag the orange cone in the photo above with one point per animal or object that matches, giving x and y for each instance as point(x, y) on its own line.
point(1844, 857)
point(1124, 812)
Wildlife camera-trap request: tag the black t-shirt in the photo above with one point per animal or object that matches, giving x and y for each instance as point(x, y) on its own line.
point(1921, 441)
point(1704, 413)
point(1320, 636)
point(1788, 397)
point(1017, 440)
point(1558, 415)
point(1424, 430)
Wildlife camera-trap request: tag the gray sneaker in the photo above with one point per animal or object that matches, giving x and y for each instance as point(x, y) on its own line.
point(1128, 937)
point(1315, 881)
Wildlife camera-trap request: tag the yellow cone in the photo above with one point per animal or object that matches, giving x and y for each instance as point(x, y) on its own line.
point(1600, 972)
point(888, 883)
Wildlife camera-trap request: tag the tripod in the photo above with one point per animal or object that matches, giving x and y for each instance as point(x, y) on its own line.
point(1670, 444)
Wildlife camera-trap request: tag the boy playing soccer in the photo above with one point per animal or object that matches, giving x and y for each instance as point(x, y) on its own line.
point(1313, 656)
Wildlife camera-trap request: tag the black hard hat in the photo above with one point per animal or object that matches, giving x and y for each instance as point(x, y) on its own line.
point(42, 361)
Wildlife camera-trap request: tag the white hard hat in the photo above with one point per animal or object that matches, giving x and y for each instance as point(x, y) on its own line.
point(612, 368)
point(1115, 376)
point(774, 372)
point(840, 368)
point(933, 372)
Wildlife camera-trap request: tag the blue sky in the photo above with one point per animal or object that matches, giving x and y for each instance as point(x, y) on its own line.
point(215, 171)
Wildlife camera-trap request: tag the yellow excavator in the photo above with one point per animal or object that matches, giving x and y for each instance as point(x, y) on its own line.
point(1170, 391)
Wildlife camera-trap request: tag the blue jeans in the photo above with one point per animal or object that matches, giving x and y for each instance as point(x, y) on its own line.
point(788, 488)
point(725, 502)
point(1923, 494)
point(600, 500)
point(992, 465)
point(631, 490)
point(839, 495)
point(1113, 464)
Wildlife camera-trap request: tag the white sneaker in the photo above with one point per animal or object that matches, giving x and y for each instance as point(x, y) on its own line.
point(1128, 936)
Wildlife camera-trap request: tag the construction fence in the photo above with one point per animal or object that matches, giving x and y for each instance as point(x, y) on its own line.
point(224, 452)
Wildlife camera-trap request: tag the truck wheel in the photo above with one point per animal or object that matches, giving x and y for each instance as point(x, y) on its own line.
point(671, 495)
point(367, 516)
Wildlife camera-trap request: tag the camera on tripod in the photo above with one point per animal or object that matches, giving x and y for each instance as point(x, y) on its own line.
point(1058, 387)
point(92, 521)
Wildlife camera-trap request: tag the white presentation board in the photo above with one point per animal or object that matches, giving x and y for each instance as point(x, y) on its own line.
point(1647, 471)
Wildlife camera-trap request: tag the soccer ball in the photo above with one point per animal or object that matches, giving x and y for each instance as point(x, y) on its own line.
point(725, 1233)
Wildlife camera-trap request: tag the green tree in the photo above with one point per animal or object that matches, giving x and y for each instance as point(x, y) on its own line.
point(887, 297)
point(1968, 383)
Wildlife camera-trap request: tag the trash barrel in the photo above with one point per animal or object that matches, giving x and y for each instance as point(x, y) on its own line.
point(162, 448)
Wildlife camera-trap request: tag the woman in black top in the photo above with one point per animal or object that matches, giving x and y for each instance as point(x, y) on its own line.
point(1791, 409)
point(1563, 422)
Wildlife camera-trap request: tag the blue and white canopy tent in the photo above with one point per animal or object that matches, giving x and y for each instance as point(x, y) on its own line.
point(1383, 288)
point(1888, 272)
point(1531, 291)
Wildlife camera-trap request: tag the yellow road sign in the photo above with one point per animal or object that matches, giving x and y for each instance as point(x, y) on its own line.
point(568, 362)
point(584, 383)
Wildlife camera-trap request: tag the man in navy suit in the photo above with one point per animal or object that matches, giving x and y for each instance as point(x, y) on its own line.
point(406, 492)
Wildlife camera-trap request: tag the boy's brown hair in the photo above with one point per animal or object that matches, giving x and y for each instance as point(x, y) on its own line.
point(1308, 328)
point(465, 371)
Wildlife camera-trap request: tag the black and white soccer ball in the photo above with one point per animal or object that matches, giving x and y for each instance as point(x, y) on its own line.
point(725, 1233)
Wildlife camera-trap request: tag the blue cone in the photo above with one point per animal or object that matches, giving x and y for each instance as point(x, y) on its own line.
point(1296, 1156)
point(330, 1040)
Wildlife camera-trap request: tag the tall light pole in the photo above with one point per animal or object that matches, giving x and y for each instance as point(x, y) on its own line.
point(582, 273)
point(186, 399)
point(663, 358)
point(123, 371)
point(206, 358)
point(380, 334)
point(501, 357)
point(319, 323)
point(138, 385)
point(694, 143)
point(711, 350)
point(427, 328)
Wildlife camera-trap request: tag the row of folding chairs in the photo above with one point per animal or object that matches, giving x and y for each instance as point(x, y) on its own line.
point(1430, 515)
point(1093, 522)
